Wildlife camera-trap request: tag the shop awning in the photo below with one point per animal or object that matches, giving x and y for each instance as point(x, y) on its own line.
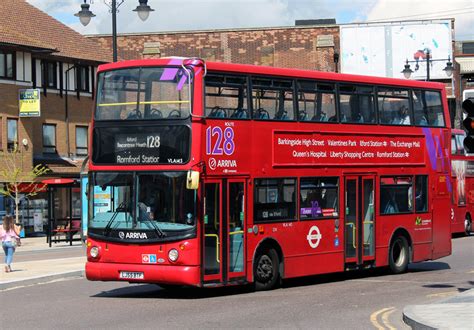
point(58, 181)
point(28, 187)
point(466, 64)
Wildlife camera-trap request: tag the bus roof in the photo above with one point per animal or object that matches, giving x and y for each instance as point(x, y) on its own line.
point(274, 71)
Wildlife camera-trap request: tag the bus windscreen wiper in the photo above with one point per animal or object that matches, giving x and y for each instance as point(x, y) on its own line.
point(119, 208)
point(143, 216)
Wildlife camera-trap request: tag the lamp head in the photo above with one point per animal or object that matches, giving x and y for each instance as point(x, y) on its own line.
point(143, 10)
point(449, 68)
point(407, 71)
point(84, 14)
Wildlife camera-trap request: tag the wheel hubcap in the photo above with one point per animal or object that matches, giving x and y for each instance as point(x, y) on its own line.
point(399, 253)
point(265, 268)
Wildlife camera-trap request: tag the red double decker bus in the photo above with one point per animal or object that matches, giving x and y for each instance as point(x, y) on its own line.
point(462, 173)
point(210, 174)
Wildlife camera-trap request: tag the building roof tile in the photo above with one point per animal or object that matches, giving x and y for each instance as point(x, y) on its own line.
point(25, 25)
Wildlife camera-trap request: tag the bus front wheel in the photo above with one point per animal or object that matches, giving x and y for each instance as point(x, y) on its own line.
point(266, 273)
point(399, 255)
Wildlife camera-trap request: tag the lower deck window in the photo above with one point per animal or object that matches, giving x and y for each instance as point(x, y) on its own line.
point(396, 194)
point(274, 199)
point(319, 198)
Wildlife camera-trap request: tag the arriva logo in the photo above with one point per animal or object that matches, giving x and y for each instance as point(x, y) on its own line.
point(123, 235)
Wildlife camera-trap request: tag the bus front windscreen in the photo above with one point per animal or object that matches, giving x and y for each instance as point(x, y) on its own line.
point(137, 206)
point(143, 93)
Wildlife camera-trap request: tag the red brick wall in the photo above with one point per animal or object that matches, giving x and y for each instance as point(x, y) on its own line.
point(293, 47)
point(52, 112)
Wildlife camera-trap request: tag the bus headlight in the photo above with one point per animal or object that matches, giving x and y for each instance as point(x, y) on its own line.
point(94, 252)
point(173, 255)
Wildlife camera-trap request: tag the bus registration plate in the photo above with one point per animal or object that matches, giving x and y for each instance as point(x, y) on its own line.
point(132, 275)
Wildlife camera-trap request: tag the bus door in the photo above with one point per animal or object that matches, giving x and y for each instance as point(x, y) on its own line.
point(359, 219)
point(224, 228)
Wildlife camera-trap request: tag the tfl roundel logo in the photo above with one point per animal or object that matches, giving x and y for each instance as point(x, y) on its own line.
point(314, 237)
point(212, 163)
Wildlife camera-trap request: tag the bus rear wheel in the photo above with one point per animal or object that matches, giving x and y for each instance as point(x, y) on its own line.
point(468, 225)
point(266, 273)
point(399, 255)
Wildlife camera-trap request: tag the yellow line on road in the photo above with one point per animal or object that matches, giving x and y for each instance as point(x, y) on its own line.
point(385, 320)
point(442, 294)
point(471, 272)
point(374, 315)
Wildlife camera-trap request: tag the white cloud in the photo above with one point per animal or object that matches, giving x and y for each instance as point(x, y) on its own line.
point(178, 15)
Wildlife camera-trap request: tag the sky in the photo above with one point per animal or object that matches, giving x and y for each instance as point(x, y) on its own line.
point(185, 15)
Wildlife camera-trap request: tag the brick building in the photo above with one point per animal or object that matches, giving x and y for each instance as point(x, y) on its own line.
point(39, 53)
point(465, 74)
point(303, 47)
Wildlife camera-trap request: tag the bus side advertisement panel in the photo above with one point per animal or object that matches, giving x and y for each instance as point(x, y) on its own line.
point(306, 148)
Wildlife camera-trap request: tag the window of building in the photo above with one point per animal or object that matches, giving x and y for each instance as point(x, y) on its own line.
point(49, 138)
point(394, 106)
point(396, 194)
point(7, 65)
point(81, 140)
point(274, 200)
point(12, 134)
point(50, 78)
point(356, 104)
point(83, 78)
point(316, 101)
point(226, 97)
point(272, 99)
point(428, 109)
point(319, 198)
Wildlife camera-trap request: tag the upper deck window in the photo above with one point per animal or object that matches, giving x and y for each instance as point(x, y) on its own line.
point(428, 109)
point(394, 106)
point(356, 104)
point(226, 97)
point(316, 101)
point(272, 99)
point(147, 93)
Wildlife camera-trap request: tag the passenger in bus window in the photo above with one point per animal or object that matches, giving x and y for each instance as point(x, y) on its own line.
point(403, 117)
point(388, 202)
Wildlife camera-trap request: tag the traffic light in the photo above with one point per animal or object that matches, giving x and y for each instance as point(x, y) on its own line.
point(468, 107)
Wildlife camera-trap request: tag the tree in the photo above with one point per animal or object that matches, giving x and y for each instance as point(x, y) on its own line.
point(16, 180)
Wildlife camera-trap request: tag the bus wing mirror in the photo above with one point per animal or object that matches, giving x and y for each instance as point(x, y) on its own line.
point(192, 180)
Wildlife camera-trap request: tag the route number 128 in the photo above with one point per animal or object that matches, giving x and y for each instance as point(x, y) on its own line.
point(219, 142)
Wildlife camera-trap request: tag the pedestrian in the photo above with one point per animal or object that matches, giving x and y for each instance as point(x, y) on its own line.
point(10, 240)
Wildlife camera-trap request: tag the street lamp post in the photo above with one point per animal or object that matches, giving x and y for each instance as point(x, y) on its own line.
point(85, 15)
point(426, 55)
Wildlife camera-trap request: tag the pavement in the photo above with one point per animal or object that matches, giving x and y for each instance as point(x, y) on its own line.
point(35, 262)
point(453, 313)
point(38, 263)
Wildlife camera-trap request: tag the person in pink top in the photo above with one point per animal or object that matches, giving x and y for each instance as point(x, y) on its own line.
point(10, 240)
